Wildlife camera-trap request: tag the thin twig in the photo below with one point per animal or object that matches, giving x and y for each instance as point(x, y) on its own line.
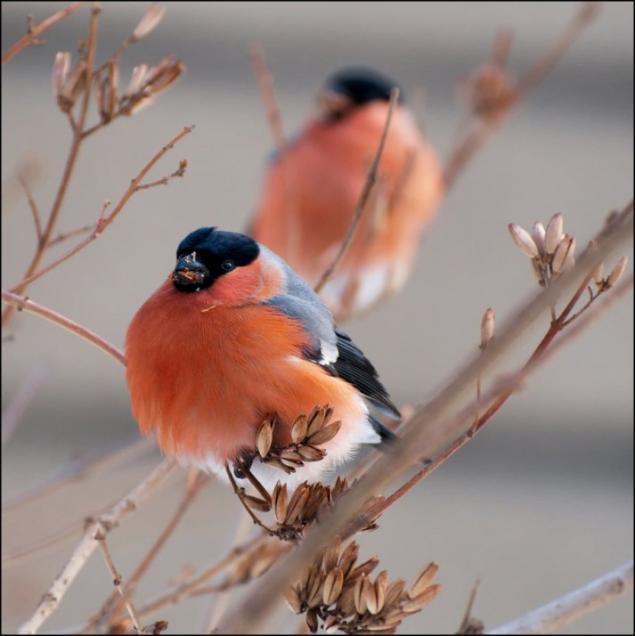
point(64, 236)
point(76, 471)
point(13, 415)
point(35, 30)
point(479, 129)
point(371, 179)
point(116, 579)
point(105, 220)
point(104, 523)
point(468, 622)
point(572, 606)
point(112, 606)
point(69, 167)
point(34, 209)
point(22, 302)
point(425, 434)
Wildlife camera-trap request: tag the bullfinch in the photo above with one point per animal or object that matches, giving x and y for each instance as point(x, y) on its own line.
point(312, 187)
point(234, 336)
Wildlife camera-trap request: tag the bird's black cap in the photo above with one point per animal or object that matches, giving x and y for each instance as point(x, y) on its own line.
point(362, 85)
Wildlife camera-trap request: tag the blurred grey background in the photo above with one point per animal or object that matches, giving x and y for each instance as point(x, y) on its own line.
point(542, 500)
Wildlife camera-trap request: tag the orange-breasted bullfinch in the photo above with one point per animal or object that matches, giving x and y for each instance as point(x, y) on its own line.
point(312, 187)
point(234, 336)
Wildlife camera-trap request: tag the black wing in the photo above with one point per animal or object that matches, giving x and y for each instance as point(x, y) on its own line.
point(354, 367)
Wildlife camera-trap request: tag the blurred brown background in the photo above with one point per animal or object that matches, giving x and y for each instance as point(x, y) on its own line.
point(539, 503)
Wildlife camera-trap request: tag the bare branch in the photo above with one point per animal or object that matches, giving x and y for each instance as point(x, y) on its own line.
point(22, 302)
point(33, 206)
point(371, 180)
point(35, 30)
point(572, 606)
point(103, 524)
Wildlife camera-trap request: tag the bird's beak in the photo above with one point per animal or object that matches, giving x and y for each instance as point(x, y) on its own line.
point(189, 273)
point(332, 105)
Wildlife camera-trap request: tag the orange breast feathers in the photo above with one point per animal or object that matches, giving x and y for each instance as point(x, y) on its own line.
point(311, 191)
point(204, 369)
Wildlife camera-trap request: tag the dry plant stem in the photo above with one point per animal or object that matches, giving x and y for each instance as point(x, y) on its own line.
point(60, 238)
point(13, 415)
point(116, 580)
point(106, 219)
point(219, 604)
point(89, 543)
point(468, 619)
point(23, 303)
point(34, 209)
point(35, 31)
point(76, 471)
point(371, 180)
point(265, 83)
point(426, 433)
point(479, 132)
point(114, 605)
point(68, 168)
point(572, 606)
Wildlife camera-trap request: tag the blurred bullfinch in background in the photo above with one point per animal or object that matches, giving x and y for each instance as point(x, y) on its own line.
point(312, 187)
point(233, 336)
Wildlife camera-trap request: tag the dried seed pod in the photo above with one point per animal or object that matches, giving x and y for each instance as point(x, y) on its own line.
point(563, 255)
point(394, 592)
point(74, 85)
point(364, 569)
point(358, 595)
point(487, 327)
point(333, 585)
point(315, 420)
point(297, 503)
point(538, 270)
point(148, 22)
point(523, 240)
point(311, 454)
point(137, 80)
point(598, 275)
point(325, 434)
point(381, 585)
point(616, 272)
point(291, 456)
point(415, 604)
point(424, 580)
point(280, 499)
point(538, 234)
point(553, 233)
point(256, 503)
point(348, 558)
point(312, 621)
point(276, 463)
point(293, 599)
point(331, 555)
point(264, 437)
point(346, 601)
point(298, 430)
point(370, 596)
point(61, 67)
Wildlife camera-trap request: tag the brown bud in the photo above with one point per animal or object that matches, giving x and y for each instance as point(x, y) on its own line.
point(617, 272)
point(280, 499)
point(381, 585)
point(394, 592)
point(333, 585)
point(264, 437)
point(348, 558)
point(424, 580)
point(326, 434)
point(74, 85)
point(364, 569)
point(487, 327)
point(291, 455)
point(298, 430)
point(293, 599)
point(553, 233)
point(415, 604)
point(311, 454)
point(523, 240)
point(370, 596)
point(296, 505)
point(358, 595)
point(148, 22)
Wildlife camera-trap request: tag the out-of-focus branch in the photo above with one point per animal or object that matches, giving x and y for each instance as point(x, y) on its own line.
point(369, 184)
point(102, 525)
point(36, 30)
point(572, 606)
point(427, 432)
point(22, 302)
point(501, 95)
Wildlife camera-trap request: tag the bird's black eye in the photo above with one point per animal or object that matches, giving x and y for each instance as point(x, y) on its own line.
point(227, 265)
